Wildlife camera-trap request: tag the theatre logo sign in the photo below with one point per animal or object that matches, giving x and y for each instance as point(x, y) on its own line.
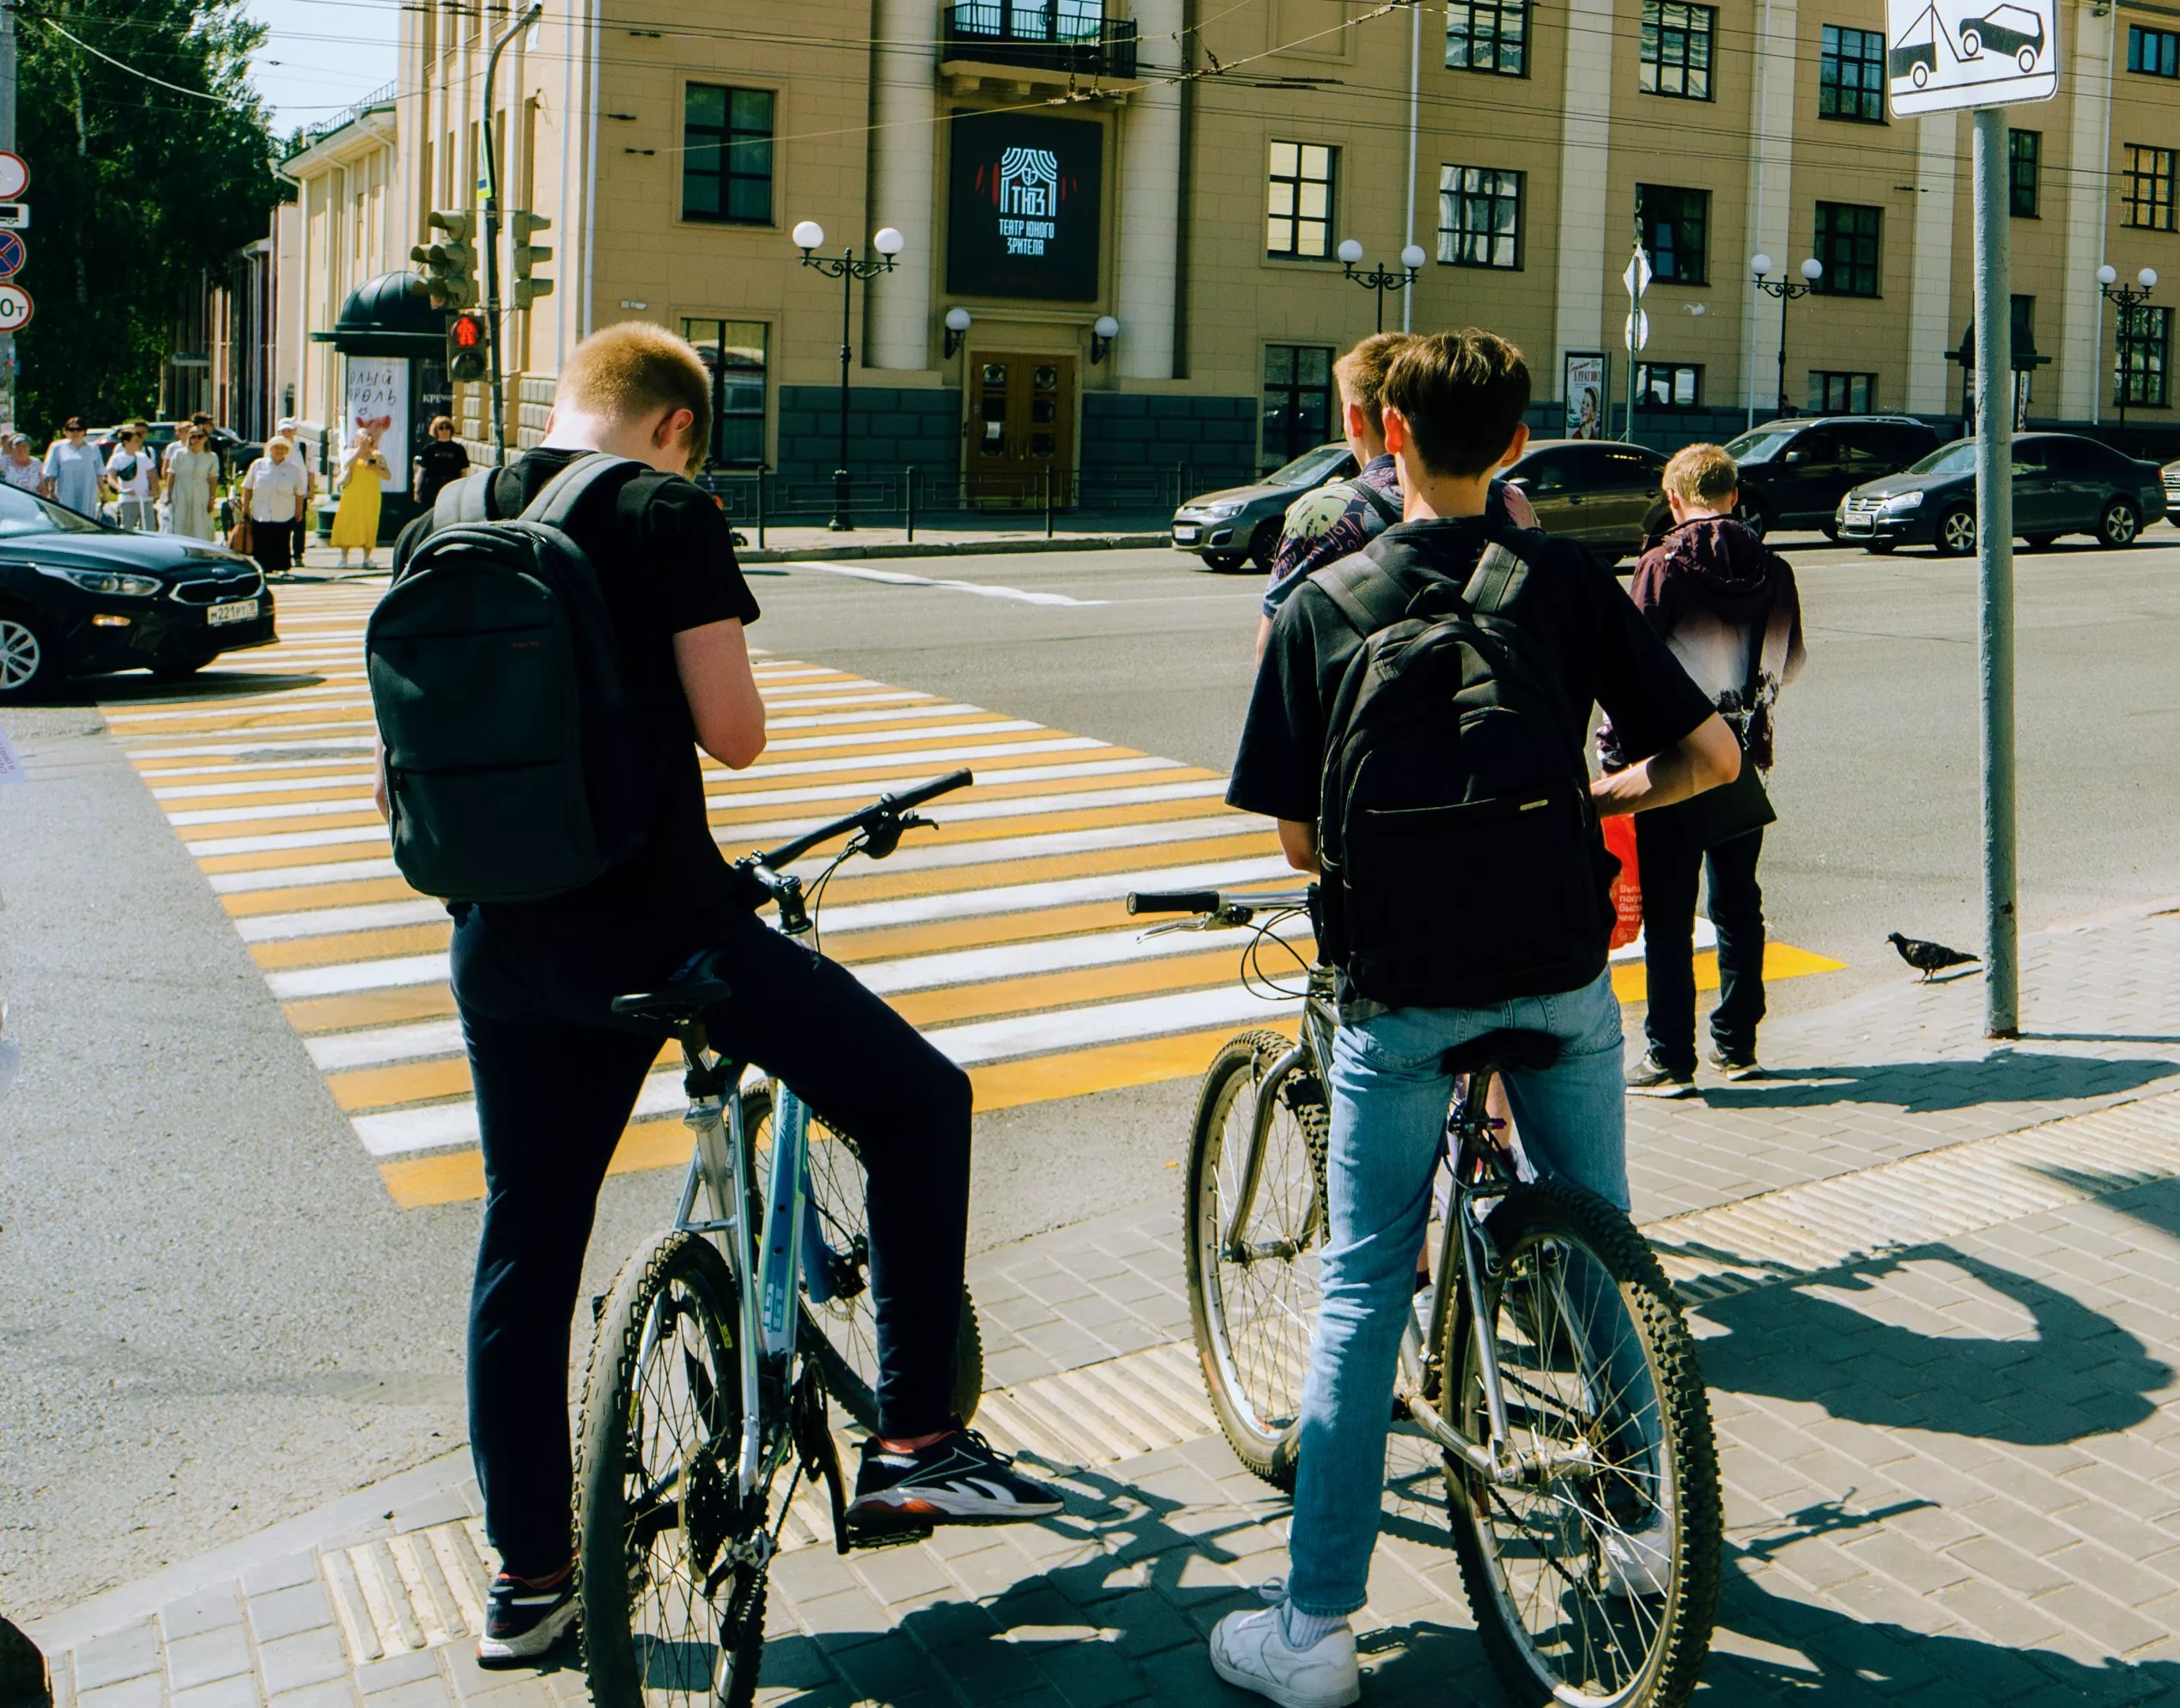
point(1024, 210)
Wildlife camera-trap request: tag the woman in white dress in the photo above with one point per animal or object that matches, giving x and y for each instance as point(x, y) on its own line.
point(191, 478)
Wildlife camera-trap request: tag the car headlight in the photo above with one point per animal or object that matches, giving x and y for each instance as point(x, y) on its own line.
point(1220, 511)
point(112, 582)
point(1904, 500)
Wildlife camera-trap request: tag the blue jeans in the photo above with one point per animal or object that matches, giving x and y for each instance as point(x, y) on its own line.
point(1389, 1097)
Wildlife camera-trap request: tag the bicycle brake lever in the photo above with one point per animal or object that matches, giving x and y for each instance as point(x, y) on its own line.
point(1198, 923)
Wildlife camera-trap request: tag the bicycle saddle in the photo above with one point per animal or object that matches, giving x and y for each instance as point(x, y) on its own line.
point(1508, 1047)
point(701, 984)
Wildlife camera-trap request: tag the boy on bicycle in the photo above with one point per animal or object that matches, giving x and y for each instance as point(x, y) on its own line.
point(556, 1074)
point(1453, 406)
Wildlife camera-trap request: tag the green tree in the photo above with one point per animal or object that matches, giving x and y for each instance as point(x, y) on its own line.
point(138, 188)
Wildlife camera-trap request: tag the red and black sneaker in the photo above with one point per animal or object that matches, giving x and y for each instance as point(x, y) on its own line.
point(525, 1616)
point(959, 1477)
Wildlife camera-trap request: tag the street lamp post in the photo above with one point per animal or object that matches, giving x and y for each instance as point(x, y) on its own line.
point(1786, 290)
point(809, 236)
point(1382, 279)
point(2129, 298)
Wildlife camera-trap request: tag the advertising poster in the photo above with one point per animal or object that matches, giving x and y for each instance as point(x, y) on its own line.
point(1023, 207)
point(1586, 385)
point(378, 404)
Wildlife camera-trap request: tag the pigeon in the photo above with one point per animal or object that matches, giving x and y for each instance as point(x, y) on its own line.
point(1928, 957)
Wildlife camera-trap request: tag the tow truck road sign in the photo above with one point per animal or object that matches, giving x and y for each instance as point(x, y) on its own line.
point(15, 308)
point(14, 216)
point(14, 176)
point(1945, 55)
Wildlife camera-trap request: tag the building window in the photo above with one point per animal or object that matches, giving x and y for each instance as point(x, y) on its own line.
point(1488, 35)
point(1676, 49)
point(2155, 53)
point(1299, 203)
point(2145, 341)
point(1673, 224)
point(1836, 393)
point(1479, 216)
point(1297, 400)
point(1668, 385)
point(726, 155)
point(1850, 75)
point(2146, 189)
point(1847, 240)
point(2023, 167)
point(733, 354)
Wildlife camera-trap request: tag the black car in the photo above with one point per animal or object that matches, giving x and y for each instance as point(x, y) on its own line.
point(78, 597)
point(2172, 493)
point(1229, 528)
point(1795, 472)
point(2063, 484)
point(1603, 492)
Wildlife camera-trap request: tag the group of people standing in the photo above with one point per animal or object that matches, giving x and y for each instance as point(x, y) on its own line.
point(176, 492)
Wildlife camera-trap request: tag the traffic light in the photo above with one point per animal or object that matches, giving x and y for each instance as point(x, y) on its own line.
point(527, 255)
point(465, 346)
point(450, 268)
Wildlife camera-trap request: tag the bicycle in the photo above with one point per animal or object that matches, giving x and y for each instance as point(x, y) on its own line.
point(722, 1338)
point(1574, 1436)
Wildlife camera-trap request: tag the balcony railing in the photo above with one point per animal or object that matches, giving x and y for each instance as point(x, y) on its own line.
point(1041, 35)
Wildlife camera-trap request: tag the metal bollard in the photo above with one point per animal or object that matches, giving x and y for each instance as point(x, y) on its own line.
point(1049, 515)
point(908, 501)
point(759, 507)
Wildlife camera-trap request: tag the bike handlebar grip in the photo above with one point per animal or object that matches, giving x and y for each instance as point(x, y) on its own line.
point(1173, 901)
point(910, 799)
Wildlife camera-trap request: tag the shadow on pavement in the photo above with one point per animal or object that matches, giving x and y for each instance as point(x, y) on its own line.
point(1925, 1087)
point(133, 690)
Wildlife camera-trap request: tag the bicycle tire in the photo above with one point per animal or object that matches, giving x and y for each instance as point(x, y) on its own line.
point(670, 1620)
point(1542, 1231)
point(1254, 1361)
point(842, 1333)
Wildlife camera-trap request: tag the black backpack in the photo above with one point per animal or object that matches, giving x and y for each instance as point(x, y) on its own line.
point(516, 768)
point(1463, 860)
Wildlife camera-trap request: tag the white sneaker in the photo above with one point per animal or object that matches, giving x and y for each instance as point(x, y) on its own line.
point(1640, 1562)
point(1250, 1649)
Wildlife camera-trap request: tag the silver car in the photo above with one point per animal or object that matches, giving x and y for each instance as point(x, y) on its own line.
point(1241, 524)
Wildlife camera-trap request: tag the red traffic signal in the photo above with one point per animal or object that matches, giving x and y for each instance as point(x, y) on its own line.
point(465, 347)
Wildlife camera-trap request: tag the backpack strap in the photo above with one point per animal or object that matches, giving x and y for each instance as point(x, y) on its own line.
point(1496, 582)
point(468, 500)
point(557, 502)
point(1363, 591)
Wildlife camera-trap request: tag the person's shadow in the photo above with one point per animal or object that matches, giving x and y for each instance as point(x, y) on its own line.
point(2007, 1076)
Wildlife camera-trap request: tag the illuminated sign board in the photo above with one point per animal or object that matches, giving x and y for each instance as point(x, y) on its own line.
point(1024, 211)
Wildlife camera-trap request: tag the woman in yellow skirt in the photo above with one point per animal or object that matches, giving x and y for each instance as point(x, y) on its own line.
point(355, 523)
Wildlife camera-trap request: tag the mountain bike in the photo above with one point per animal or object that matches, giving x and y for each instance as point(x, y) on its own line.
point(1547, 1361)
point(722, 1341)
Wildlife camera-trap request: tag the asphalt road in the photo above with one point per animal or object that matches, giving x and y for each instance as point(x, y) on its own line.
point(213, 1318)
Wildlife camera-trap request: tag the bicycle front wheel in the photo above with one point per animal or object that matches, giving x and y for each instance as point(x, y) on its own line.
point(1255, 1222)
point(1594, 1578)
point(669, 1572)
point(841, 1328)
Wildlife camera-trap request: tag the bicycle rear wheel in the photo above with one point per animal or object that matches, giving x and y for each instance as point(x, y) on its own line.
point(670, 1559)
point(1254, 1283)
point(1595, 1579)
point(841, 1329)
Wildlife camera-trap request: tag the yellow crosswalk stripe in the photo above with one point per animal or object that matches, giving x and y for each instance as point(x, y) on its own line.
point(1000, 932)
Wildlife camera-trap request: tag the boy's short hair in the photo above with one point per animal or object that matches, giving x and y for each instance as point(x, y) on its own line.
point(1702, 474)
point(440, 421)
point(636, 367)
point(1462, 395)
point(1362, 372)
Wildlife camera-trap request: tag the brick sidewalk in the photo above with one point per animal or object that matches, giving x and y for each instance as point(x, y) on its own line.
point(1950, 1475)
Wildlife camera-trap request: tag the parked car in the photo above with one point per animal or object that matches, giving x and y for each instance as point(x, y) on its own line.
point(2171, 473)
point(78, 597)
point(2012, 30)
point(1240, 525)
point(1603, 492)
point(1795, 472)
point(2063, 484)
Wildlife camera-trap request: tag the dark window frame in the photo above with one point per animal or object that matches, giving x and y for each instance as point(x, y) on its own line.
point(1837, 232)
point(2142, 360)
point(2024, 174)
point(1850, 75)
point(1295, 183)
point(1496, 38)
point(1826, 399)
point(707, 333)
point(1651, 202)
point(2152, 52)
point(1646, 374)
point(1293, 391)
point(1459, 241)
point(720, 154)
point(1679, 45)
point(2146, 192)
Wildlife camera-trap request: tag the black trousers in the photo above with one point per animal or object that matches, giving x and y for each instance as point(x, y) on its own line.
point(1670, 865)
point(556, 1075)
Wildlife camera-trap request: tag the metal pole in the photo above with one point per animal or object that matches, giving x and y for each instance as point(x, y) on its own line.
point(492, 229)
point(8, 142)
point(1994, 561)
point(1785, 297)
point(759, 507)
point(908, 501)
point(841, 524)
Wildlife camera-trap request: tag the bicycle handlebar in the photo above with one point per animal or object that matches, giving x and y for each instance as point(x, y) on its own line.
point(892, 808)
point(1173, 902)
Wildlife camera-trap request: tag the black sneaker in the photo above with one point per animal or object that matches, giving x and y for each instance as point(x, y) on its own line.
point(523, 1619)
point(1733, 1065)
point(1650, 1078)
point(959, 1477)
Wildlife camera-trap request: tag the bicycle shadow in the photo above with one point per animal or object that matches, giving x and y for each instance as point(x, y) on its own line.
point(1933, 1087)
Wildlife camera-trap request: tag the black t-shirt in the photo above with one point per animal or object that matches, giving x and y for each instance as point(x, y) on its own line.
point(665, 558)
point(440, 461)
point(1606, 653)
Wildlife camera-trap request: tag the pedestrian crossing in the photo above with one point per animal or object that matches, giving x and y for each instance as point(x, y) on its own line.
point(1001, 933)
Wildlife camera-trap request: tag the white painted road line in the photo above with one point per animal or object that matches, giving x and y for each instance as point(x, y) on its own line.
point(856, 572)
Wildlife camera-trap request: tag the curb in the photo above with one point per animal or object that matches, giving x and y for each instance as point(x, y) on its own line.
point(978, 548)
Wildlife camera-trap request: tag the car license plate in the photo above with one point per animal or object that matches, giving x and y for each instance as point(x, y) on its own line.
point(1185, 533)
point(1857, 524)
point(240, 611)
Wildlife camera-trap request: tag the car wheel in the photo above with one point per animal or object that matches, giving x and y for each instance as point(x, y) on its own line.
point(28, 663)
point(1221, 561)
point(1957, 533)
point(2039, 541)
point(1264, 544)
point(1756, 518)
point(1830, 530)
point(2025, 59)
point(1971, 44)
point(1921, 75)
point(2119, 524)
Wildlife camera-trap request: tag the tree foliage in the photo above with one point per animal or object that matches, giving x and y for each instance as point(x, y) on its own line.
point(138, 189)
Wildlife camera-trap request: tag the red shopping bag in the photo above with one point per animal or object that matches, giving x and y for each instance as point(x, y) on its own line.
point(1627, 888)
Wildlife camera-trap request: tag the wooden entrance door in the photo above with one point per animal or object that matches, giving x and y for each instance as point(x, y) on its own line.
point(1021, 428)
